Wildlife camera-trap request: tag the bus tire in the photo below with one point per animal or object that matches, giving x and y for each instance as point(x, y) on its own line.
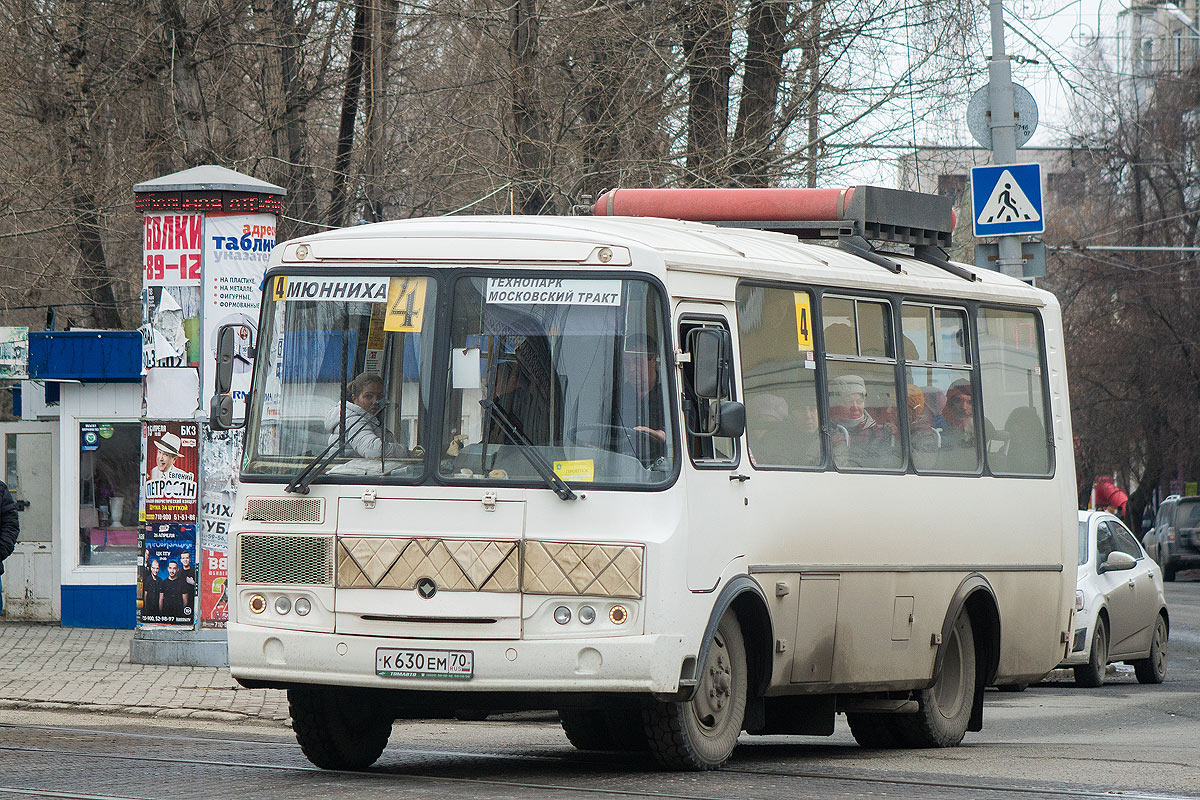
point(621, 729)
point(586, 728)
point(874, 731)
point(338, 728)
point(944, 709)
point(1091, 674)
point(701, 733)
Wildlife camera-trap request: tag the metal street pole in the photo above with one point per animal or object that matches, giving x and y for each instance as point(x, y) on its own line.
point(1003, 125)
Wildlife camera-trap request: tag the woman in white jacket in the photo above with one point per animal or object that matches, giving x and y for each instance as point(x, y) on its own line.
point(365, 434)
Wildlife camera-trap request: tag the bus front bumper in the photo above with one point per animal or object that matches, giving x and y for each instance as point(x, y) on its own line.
point(649, 664)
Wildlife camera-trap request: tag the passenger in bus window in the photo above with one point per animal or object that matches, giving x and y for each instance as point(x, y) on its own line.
point(769, 429)
point(640, 406)
point(806, 420)
point(365, 435)
point(871, 444)
point(959, 451)
point(923, 438)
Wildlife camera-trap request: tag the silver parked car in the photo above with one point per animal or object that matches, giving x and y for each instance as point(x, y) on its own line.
point(1120, 608)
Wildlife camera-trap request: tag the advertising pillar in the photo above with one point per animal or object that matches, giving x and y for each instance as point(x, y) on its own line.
point(207, 234)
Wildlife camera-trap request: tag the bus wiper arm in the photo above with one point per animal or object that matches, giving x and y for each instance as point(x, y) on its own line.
point(530, 452)
point(315, 468)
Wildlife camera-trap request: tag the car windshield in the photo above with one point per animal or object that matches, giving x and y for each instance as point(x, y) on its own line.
point(343, 377)
point(1188, 516)
point(572, 371)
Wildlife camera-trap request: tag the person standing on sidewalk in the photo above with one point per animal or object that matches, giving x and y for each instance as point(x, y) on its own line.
point(10, 527)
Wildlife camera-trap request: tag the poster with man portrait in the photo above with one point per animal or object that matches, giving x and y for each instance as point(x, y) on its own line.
point(167, 575)
point(170, 470)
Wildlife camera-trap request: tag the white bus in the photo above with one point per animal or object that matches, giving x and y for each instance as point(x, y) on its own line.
point(677, 481)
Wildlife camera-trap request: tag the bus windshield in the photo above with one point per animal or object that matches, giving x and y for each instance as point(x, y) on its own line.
point(571, 371)
point(344, 368)
point(546, 376)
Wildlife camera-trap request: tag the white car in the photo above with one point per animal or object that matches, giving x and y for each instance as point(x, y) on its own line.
point(1120, 608)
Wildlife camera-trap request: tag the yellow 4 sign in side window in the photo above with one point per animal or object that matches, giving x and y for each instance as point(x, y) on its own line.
point(803, 321)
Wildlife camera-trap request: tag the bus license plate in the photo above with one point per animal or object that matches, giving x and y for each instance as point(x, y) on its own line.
point(452, 664)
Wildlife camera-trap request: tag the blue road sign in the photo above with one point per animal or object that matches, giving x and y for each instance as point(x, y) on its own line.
point(1007, 200)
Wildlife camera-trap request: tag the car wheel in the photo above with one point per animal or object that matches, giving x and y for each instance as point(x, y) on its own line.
point(1091, 674)
point(945, 708)
point(702, 732)
point(1153, 668)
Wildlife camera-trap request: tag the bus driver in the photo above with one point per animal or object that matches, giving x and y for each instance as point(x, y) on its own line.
point(365, 434)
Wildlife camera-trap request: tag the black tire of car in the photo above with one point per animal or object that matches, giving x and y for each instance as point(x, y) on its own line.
point(1168, 568)
point(701, 733)
point(338, 728)
point(945, 707)
point(875, 731)
point(1091, 674)
point(1153, 668)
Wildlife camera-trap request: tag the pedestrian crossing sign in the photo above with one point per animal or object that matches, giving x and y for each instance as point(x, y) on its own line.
point(1007, 200)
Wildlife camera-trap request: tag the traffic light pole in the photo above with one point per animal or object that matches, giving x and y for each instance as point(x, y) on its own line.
point(1003, 126)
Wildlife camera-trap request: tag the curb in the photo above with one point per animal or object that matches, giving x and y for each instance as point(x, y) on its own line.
point(142, 711)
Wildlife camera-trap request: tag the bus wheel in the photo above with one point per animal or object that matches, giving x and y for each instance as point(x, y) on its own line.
point(701, 733)
point(874, 731)
point(945, 708)
point(611, 729)
point(338, 728)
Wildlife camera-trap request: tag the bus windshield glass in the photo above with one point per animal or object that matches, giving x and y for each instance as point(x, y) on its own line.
point(344, 378)
point(571, 372)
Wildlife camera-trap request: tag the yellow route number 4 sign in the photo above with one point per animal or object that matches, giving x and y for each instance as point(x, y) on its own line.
point(804, 336)
point(405, 305)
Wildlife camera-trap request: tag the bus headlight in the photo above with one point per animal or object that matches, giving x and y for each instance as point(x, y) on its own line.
point(587, 615)
point(562, 615)
point(617, 615)
point(283, 604)
point(258, 603)
point(302, 606)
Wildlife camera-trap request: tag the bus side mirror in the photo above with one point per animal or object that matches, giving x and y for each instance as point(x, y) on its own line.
point(220, 412)
point(226, 344)
point(711, 349)
point(732, 422)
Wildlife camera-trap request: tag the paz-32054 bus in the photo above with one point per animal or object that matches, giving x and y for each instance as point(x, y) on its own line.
point(675, 480)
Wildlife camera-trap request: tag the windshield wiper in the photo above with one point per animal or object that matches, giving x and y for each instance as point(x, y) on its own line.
point(315, 468)
point(528, 449)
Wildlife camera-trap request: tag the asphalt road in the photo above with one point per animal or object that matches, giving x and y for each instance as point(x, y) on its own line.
point(1053, 740)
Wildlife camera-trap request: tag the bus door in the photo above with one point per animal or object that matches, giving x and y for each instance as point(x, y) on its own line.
point(715, 487)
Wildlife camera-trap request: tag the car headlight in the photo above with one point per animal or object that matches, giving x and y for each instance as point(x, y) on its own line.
point(1078, 600)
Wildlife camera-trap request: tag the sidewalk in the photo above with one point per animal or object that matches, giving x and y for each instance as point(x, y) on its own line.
point(88, 669)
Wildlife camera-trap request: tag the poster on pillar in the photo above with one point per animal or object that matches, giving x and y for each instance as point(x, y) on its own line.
point(167, 575)
point(217, 495)
point(171, 327)
point(236, 249)
point(169, 471)
point(171, 249)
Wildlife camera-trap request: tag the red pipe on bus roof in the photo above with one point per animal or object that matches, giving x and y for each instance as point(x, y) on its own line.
point(726, 205)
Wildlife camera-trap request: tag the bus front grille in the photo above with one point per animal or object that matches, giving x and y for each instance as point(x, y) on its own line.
point(285, 559)
point(285, 509)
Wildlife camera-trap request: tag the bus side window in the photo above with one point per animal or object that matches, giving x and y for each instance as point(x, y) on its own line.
point(1014, 408)
point(704, 450)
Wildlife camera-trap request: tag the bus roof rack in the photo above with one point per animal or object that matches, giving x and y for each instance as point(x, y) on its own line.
point(853, 215)
point(872, 212)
